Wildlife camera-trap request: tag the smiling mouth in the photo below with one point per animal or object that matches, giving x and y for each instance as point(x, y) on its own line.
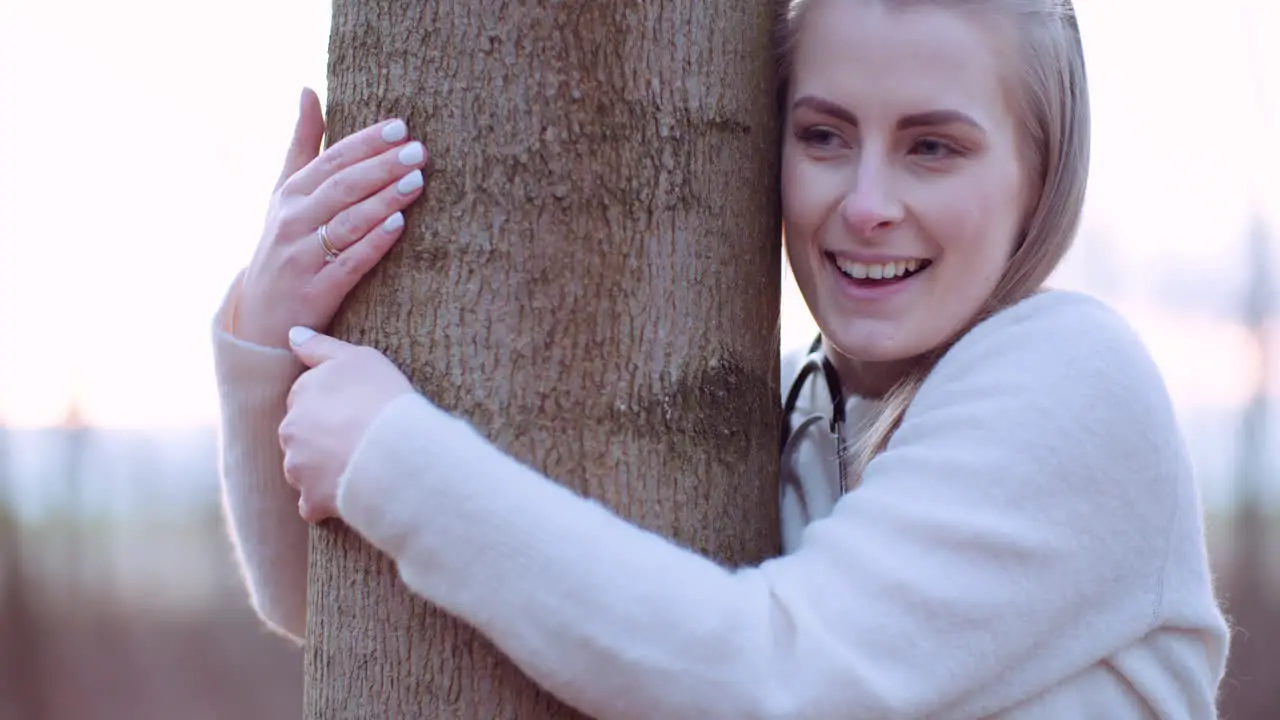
point(877, 274)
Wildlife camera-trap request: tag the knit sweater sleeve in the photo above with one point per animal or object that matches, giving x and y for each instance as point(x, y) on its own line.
point(270, 538)
point(1012, 534)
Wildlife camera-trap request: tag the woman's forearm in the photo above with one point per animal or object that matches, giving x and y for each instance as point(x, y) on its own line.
point(270, 538)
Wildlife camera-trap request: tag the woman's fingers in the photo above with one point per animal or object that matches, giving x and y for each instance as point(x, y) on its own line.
point(397, 170)
point(341, 275)
point(347, 152)
point(308, 133)
point(357, 220)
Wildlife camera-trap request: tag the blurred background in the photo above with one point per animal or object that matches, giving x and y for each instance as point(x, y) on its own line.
point(142, 140)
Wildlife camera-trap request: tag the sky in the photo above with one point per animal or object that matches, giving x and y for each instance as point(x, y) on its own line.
point(142, 139)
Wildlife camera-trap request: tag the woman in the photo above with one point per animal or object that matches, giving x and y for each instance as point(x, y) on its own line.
point(1017, 533)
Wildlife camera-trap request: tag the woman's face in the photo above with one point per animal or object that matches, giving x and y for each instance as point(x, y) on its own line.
point(903, 187)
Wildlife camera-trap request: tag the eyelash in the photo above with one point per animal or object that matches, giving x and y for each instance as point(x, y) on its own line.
point(945, 148)
point(816, 135)
point(821, 136)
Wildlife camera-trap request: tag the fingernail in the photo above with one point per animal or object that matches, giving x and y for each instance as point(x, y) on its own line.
point(410, 182)
point(393, 223)
point(394, 131)
point(411, 154)
point(299, 335)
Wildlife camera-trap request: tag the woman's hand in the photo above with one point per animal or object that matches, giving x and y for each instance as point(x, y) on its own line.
point(355, 190)
point(330, 408)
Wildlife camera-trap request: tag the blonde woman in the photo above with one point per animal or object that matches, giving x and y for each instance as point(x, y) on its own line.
point(1014, 533)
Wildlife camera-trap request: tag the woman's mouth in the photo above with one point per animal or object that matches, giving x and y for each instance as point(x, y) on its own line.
point(877, 275)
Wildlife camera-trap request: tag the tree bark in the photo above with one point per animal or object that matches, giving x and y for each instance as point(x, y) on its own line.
point(592, 280)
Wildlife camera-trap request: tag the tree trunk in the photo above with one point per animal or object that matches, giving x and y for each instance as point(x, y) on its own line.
point(22, 666)
point(592, 280)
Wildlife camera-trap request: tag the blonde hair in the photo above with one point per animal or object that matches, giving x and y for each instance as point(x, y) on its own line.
point(1054, 104)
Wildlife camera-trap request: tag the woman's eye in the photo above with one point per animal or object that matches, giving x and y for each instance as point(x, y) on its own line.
point(818, 136)
point(933, 148)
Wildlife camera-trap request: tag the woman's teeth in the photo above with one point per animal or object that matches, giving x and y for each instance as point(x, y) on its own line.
point(879, 271)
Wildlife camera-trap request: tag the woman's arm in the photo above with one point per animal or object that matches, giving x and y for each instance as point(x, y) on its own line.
point(262, 510)
point(345, 201)
point(1014, 533)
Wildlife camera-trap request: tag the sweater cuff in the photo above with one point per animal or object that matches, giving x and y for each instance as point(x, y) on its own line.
point(384, 493)
point(270, 539)
point(247, 371)
point(436, 496)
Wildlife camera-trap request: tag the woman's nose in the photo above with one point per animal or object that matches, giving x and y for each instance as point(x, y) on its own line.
point(871, 206)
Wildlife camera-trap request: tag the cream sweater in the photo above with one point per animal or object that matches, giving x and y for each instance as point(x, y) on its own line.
point(1029, 546)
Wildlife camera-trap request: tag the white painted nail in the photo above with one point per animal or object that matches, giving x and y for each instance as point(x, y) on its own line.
point(411, 154)
point(394, 131)
point(393, 223)
point(410, 182)
point(299, 335)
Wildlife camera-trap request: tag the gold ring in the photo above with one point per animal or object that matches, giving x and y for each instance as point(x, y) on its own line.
point(330, 252)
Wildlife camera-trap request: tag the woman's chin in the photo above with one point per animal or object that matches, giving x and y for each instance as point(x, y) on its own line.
point(869, 367)
point(873, 355)
point(871, 341)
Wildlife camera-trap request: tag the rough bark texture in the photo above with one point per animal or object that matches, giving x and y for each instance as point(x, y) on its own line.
point(592, 280)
